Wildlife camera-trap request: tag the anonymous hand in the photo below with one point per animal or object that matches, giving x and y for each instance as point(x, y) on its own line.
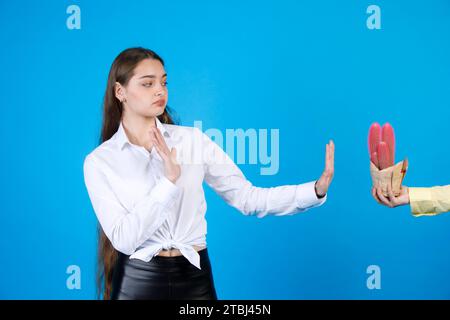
point(391, 200)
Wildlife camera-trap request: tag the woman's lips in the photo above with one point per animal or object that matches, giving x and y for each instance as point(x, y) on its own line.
point(160, 102)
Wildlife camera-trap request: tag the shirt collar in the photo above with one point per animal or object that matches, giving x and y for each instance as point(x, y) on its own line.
point(122, 138)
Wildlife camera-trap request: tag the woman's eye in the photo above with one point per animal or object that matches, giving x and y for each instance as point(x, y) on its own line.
point(165, 83)
point(148, 84)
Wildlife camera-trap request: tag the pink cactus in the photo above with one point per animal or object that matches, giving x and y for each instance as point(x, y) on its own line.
point(387, 135)
point(374, 159)
point(381, 143)
point(374, 137)
point(383, 155)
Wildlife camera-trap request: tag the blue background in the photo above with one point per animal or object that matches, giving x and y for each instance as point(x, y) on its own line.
point(309, 68)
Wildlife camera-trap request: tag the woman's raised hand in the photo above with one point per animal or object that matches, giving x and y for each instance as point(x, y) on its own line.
point(325, 179)
point(172, 169)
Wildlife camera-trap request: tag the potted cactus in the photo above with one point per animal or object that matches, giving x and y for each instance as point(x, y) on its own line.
point(383, 169)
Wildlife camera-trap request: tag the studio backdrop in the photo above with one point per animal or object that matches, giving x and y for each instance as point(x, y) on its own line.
point(282, 77)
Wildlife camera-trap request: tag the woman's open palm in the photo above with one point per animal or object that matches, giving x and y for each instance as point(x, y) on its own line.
point(172, 169)
point(325, 179)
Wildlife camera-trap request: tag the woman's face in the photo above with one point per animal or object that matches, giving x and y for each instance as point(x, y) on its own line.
point(146, 92)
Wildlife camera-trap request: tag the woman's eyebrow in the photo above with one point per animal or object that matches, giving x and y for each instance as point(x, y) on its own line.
point(152, 76)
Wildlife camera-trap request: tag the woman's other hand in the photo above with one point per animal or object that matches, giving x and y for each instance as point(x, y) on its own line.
point(325, 179)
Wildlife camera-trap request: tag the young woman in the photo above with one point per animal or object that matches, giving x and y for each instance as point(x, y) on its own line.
point(145, 184)
point(423, 201)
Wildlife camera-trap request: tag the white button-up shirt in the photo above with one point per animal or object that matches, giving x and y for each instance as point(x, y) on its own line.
point(142, 212)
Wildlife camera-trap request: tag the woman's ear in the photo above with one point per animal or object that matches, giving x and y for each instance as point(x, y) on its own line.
point(119, 91)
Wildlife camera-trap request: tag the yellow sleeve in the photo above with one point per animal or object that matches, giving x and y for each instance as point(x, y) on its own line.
point(429, 201)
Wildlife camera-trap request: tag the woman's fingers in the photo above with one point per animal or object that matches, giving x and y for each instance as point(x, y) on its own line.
point(160, 151)
point(160, 139)
point(155, 135)
point(332, 153)
point(332, 156)
point(329, 159)
point(324, 181)
point(171, 167)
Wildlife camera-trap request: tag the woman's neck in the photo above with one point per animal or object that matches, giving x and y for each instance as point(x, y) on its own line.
point(137, 129)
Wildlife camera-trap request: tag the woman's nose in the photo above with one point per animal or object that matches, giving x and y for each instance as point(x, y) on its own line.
point(160, 91)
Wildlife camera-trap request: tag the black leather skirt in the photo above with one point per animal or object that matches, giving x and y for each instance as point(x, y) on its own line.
point(168, 278)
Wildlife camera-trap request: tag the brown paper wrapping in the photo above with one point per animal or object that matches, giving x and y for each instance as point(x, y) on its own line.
point(393, 175)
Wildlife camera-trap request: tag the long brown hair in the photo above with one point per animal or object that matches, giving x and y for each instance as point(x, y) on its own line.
point(121, 71)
